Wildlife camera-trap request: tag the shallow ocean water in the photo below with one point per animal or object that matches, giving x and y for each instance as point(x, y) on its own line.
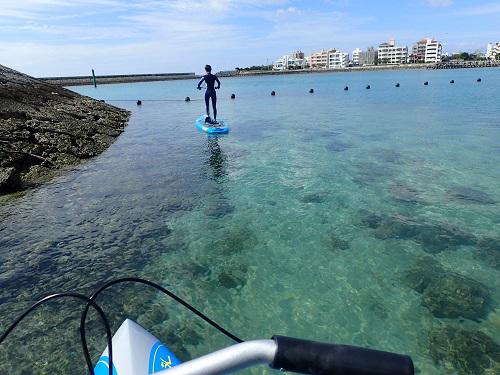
point(365, 217)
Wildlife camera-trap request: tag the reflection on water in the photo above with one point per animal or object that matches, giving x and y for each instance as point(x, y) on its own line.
point(366, 217)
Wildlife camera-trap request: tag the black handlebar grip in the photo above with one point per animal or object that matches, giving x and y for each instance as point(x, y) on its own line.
point(310, 357)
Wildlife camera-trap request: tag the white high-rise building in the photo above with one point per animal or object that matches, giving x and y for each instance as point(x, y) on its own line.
point(338, 60)
point(328, 59)
point(389, 53)
point(355, 56)
point(492, 50)
point(428, 51)
point(294, 60)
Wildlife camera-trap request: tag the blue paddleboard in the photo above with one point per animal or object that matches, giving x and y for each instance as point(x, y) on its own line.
point(222, 128)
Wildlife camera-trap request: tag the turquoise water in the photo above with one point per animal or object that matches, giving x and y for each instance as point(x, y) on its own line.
point(365, 217)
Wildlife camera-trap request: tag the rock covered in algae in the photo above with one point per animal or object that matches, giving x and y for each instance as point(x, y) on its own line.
point(334, 242)
point(489, 251)
point(434, 237)
point(466, 352)
point(453, 296)
point(447, 294)
point(424, 271)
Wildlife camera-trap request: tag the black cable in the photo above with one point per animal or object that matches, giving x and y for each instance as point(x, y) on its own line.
point(161, 289)
point(90, 302)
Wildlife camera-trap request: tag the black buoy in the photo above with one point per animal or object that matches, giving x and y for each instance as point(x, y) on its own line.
point(233, 96)
point(311, 91)
point(188, 99)
point(273, 93)
point(479, 79)
point(426, 83)
point(346, 88)
point(397, 84)
point(452, 81)
point(368, 87)
point(139, 102)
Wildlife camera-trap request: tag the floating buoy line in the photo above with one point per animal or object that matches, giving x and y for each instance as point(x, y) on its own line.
point(187, 99)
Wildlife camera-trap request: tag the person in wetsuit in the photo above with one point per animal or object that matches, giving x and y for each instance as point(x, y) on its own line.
point(210, 80)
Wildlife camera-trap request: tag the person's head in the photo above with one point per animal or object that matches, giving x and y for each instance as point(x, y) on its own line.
point(208, 68)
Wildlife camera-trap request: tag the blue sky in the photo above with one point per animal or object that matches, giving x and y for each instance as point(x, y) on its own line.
point(69, 37)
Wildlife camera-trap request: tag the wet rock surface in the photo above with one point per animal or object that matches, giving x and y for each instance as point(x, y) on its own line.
point(466, 352)
point(447, 294)
point(44, 128)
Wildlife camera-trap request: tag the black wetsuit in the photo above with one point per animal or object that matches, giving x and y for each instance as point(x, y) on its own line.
point(210, 79)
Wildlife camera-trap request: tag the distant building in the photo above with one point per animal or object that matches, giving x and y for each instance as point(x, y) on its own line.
point(389, 53)
point(328, 59)
point(493, 51)
point(338, 60)
point(319, 60)
point(355, 56)
point(368, 57)
point(294, 60)
point(428, 51)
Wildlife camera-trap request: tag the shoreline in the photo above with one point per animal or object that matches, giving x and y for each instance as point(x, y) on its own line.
point(137, 78)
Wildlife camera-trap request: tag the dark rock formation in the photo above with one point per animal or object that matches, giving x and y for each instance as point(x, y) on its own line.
point(489, 251)
point(468, 352)
point(317, 197)
point(447, 294)
point(466, 194)
point(433, 237)
point(334, 242)
point(44, 128)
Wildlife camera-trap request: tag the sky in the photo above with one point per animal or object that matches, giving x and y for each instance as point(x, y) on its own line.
point(70, 37)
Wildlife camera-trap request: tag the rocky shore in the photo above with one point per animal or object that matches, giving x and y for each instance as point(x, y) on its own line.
point(45, 128)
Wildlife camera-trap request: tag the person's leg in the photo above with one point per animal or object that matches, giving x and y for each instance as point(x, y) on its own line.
point(207, 106)
point(214, 105)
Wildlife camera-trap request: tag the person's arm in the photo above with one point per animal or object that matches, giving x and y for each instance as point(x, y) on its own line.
point(201, 81)
point(218, 82)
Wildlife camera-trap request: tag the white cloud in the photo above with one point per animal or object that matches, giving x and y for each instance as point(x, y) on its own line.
point(439, 3)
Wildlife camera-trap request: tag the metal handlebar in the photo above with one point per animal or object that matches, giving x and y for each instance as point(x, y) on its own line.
point(296, 355)
point(231, 359)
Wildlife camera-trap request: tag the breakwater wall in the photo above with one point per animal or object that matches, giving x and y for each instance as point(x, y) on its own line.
point(124, 78)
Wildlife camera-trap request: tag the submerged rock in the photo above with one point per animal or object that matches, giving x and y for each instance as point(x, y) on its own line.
point(234, 277)
point(434, 237)
point(335, 242)
point(489, 251)
point(447, 294)
point(387, 155)
point(424, 271)
point(338, 146)
point(219, 209)
point(404, 193)
point(469, 195)
point(318, 197)
point(44, 125)
point(467, 352)
point(369, 173)
point(453, 296)
point(235, 241)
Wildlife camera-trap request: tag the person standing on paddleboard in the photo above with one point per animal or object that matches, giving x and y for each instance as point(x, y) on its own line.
point(210, 80)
